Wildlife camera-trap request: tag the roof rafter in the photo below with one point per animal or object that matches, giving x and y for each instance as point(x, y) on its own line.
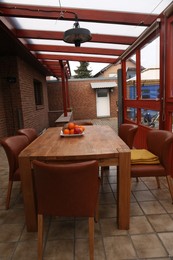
point(75, 58)
point(101, 38)
point(69, 49)
point(87, 15)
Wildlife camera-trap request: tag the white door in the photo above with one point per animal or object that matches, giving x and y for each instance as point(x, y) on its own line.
point(102, 102)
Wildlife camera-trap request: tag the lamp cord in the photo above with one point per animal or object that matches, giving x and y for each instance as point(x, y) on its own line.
point(60, 4)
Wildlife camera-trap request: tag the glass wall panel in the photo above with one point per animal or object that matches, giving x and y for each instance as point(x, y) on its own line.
point(131, 77)
point(150, 73)
point(132, 114)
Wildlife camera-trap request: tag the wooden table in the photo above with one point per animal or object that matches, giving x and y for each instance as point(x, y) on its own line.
point(98, 142)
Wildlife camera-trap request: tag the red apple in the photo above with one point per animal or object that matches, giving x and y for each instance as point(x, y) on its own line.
point(77, 130)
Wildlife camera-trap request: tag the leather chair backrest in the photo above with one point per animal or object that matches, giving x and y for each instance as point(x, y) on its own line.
point(127, 133)
point(29, 132)
point(13, 145)
point(160, 143)
point(66, 189)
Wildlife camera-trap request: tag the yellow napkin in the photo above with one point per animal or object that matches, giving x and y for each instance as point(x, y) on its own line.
point(143, 156)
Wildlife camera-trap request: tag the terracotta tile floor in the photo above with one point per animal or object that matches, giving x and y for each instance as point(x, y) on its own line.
point(150, 235)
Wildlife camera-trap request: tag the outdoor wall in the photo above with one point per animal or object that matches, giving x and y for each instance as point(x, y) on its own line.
point(111, 70)
point(32, 116)
point(82, 99)
point(10, 96)
point(17, 101)
point(3, 127)
point(55, 99)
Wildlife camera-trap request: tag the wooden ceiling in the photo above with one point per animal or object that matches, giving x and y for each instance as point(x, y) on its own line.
point(50, 55)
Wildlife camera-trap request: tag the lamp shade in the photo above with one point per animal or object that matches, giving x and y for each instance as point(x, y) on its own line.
point(77, 36)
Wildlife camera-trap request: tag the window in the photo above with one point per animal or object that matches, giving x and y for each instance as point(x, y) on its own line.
point(102, 92)
point(38, 91)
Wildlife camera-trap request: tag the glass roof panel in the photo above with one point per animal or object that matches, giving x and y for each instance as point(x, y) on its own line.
point(59, 25)
point(85, 44)
point(150, 6)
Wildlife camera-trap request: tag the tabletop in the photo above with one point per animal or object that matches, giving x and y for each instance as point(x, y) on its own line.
point(97, 142)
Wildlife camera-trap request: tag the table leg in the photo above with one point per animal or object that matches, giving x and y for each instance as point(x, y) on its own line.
point(28, 193)
point(124, 189)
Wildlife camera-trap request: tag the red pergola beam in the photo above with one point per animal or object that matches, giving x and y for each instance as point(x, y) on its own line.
point(102, 38)
point(69, 49)
point(74, 58)
point(86, 15)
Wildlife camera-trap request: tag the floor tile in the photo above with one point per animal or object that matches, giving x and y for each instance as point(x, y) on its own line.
point(143, 195)
point(119, 247)
point(109, 227)
point(59, 250)
point(161, 223)
point(152, 207)
point(61, 229)
point(6, 250)
point(140, 225)
point(167, 239)
point(26, 250)
point(82, 251)
point(82, 230)
point(10, 232)
point(148, 245)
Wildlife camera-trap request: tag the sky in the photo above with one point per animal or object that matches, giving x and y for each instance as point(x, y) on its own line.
point(95, 67)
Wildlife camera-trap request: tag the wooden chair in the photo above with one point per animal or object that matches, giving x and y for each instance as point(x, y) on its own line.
point(159, 142)
point(127, 133)
point(69, 190)
point(30, 133)
point(13, 145)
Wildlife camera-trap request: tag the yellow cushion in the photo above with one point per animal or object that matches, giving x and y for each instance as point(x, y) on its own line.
point(143, 156)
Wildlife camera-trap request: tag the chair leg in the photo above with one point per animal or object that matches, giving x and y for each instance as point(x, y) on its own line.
point(170, 185)
point(91, 238)
point(40, 237)
point(10, 184)
point(158, 182)
point(137, 179)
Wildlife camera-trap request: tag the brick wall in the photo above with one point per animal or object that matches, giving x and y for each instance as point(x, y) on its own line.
point(17, 101)
point(82, 98)
point(10, 95)
point(32, 117)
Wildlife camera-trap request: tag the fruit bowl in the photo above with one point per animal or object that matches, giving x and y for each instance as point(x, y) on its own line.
point(71, 135)
point(72, 130)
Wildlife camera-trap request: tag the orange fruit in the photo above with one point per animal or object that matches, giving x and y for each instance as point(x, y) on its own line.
point(71, 125)
point(71, 131)
point(83, 127)
point(66, 131)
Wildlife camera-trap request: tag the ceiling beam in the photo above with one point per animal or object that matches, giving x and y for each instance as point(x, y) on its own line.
point(74, 58)
point(70, 49)
point(48, 35)
point(86, 15)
